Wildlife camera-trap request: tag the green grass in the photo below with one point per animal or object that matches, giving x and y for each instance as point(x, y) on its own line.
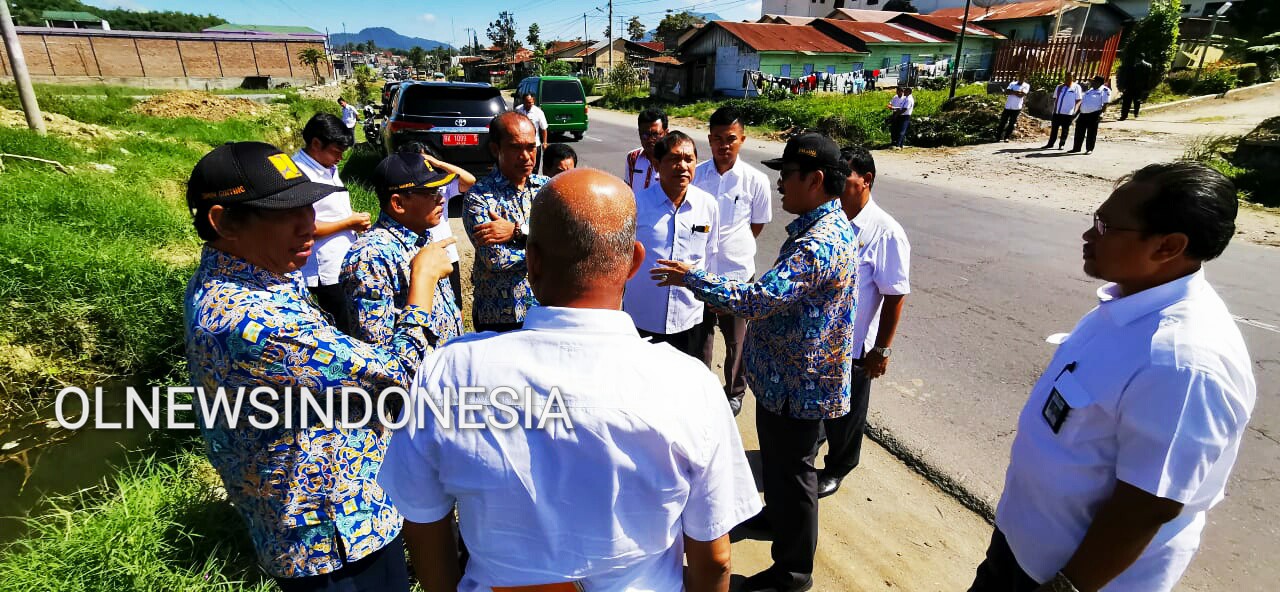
point(160, 524)
point(115, 89)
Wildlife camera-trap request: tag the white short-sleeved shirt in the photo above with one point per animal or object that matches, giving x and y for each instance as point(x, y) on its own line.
point(1014, 101)
point(1065, 98)
point(442, 230)
point(1161, 387)
point(325, 263)
point(690, 234)
point(1095, 99)
point(884, 269)
point(909, 103)
point(743, 195)
point(349, 116)
point(641, 176)
point(538, 118)
point(651, 457)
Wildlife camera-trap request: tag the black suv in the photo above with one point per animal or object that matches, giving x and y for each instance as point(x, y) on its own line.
point(450, 117)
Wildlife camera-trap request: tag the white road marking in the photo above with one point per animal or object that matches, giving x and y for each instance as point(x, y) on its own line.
point(1258, 324)
point(592, 139)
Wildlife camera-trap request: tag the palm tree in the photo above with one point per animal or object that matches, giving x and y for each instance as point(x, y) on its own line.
point(313, 57)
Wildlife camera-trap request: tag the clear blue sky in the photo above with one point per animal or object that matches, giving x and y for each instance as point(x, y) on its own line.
point(442, 20)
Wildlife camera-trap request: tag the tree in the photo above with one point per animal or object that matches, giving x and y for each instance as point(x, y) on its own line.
point(28, 13)
point(502, 33)
point(899, 6)
point(1254, 20)
point(533, 39)
point(674, 24)
point(635, 29)
point(417, 58)
point(558, 68)
point(1155, 37)
point(312, 57)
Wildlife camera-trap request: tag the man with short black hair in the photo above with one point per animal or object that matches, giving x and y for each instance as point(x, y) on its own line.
point(496, 216)
point(642, 166)
point(1092, 105)
point(1015, 95)
point(349, 117)
point(1066, 103)
point(1129, 436)
point(557, 159)
point(529, 107)
point(324, 142)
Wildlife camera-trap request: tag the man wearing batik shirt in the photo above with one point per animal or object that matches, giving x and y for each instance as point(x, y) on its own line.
point(317, 518)
point(799, 348)
point(375, 274)
point(496, 216)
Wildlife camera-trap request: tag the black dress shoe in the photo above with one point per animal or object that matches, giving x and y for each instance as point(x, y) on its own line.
point(1073, 151)
point(828, 485)
point(1048, 146)
point(768, 581)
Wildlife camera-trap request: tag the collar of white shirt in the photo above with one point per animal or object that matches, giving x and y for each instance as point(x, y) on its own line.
point(1127, 309)
point(305, 159)
point(864, 215)
point(593, 320)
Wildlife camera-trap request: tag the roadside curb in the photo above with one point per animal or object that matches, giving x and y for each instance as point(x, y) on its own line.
point(933, 474)
point(1233, 92)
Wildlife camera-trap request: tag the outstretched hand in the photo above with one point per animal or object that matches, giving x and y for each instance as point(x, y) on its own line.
point(670, 273)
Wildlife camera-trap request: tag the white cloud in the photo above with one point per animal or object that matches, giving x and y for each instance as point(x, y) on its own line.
point(427, 18)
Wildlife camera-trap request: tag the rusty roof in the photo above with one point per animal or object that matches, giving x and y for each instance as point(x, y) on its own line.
point(785, 19)
point(863, 15)
point(666, 60)
point(950, 23)
point(881, 32)
point(1004, 12)
point(657, 46)
point(771, 37)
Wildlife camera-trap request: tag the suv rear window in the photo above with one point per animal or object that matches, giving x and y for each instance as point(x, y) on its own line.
point(561, 91)
point(451, 100)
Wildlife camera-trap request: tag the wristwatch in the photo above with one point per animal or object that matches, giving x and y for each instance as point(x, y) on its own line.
point(521, 232)
point(883, 351)
point(1059, 583)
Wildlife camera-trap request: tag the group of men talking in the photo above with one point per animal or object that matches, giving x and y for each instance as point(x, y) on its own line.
point(607, 291)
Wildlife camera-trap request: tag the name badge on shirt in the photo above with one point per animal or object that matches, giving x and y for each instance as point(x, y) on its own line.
point(1055, 410)
point(701, 228)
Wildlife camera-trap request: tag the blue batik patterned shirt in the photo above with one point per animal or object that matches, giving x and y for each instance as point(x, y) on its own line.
point(375, 279)
point(500, 276)
point(798, 353)
point(308, 494)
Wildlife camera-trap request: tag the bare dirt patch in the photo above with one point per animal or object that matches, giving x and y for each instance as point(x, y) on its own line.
point(58, 124)
point(199, 105)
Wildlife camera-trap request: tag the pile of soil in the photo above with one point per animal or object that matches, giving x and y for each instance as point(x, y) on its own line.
point(56, 123)
point(200, 105)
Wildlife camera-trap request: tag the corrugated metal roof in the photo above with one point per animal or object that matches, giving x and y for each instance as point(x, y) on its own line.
point(234, 28)
point(881, 32)
point(784, 19)
point(951, 23)
point(1004, 12)
point(657, 46)
point(864, 16)
point(772, 37)
point(214, 36)
point(70, 15)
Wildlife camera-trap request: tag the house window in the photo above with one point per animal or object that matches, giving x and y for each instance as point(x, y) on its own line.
point(831, 69)
point(884, 64)
point(784, 70)
point(808, 69)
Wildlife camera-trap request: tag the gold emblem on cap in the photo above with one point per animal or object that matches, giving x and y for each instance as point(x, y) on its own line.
point(288, 169)
point(808, 152)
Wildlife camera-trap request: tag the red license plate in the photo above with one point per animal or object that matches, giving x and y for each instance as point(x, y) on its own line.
point(461, 139)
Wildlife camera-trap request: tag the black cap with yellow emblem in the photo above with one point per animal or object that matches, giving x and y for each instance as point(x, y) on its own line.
point(406, 171)
point(811, 151)
point(255, 174)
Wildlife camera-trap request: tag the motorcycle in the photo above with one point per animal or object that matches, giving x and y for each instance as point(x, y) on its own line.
point(372, 131)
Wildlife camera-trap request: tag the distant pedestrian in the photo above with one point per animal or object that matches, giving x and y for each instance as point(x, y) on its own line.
point(1134, 82)
point(1092, 105)
point(1015, 96)
point(642, 170)
point(902, 105)
point(1066, 103)
point(1129, 436)
point(349, 117)
point(530, 109)
point(558, 158)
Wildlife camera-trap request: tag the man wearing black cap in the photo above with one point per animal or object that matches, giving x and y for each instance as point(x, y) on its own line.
point(799, 347)
point(317, 518)
point(375, 273)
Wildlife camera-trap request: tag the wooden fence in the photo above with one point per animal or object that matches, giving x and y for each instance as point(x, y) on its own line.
point(1085, 57)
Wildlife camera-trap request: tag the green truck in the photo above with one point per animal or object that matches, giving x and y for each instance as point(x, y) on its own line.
point(562, 101)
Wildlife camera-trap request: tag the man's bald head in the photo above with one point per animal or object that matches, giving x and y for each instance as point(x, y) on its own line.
point(582, 239)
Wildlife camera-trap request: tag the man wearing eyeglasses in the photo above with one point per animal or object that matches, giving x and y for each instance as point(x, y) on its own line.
point(375, 272)
point(642, 167)
point(1130, 434)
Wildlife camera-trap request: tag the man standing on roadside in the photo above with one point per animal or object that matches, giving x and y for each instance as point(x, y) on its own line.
point(743, 195)
point(799, 350)
point(1092, 106)
point(636, 490)
point(531, 110)
point(496, 216)
point(324, 142)
point(375, 273)
point(349, 117)
point(1129, 436)
point(642, 167)
point(1134, 82)
point(1066, 102)
point(884, 267)
point(674, 220)
point(901, 121)
point(1015, 94)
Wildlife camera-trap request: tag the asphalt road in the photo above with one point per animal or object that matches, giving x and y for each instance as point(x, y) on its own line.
point(991, 279)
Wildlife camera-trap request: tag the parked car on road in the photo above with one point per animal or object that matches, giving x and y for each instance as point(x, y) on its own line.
point(562, 101)
point(450, 117)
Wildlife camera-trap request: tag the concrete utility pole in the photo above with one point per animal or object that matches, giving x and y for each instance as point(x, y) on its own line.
point(1213, 24)
point(955, 68)
point(609, 48)
point(21, 77)
point(585, 35)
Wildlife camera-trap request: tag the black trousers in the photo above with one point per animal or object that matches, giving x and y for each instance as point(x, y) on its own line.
point(383, 570)
point(499, 327)
point(788, 448)
point(333, 300)
point(1087, 130)
point(735, 333)
point(455, 282)
point(844, 434)
point(1130, 100)
point(1000, 571)
point(688, 341)
point(1008, 121)
point(898, 129)
point(1060, 122)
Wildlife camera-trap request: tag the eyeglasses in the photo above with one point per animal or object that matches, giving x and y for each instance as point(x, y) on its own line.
point(1102, 228)
point(433, 192)
point(651, 135)
point(787, 172)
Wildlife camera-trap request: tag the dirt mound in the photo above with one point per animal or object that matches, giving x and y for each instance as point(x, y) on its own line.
point(56, 123)
point(200, 105)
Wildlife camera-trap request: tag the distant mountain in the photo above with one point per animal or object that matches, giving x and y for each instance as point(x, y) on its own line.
point(710, 16)
point(385, 38)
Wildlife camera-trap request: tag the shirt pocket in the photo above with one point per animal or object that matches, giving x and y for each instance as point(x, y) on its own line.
point(1082, 422)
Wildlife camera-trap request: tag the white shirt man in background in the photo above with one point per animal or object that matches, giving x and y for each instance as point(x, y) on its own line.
point(1092, 104)
point(349, 117)
point(531, 110)
point(324, 142)
point(884, 269)
point(743, 195)
point(1015, 95)
point(652, 473)
point(642, 166)
point(1066, 103)
point(1129, 436)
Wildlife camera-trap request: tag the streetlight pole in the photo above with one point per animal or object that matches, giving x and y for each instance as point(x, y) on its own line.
point(1213, 24)
point(22, 78)
point(955, 69)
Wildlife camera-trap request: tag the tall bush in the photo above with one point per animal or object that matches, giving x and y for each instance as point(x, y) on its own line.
point(1155, 36)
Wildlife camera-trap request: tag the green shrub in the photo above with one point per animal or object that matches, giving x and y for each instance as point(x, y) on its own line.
point(588, 85)
point(1247, 73)
point(1215, 81)
point(1181, 82)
